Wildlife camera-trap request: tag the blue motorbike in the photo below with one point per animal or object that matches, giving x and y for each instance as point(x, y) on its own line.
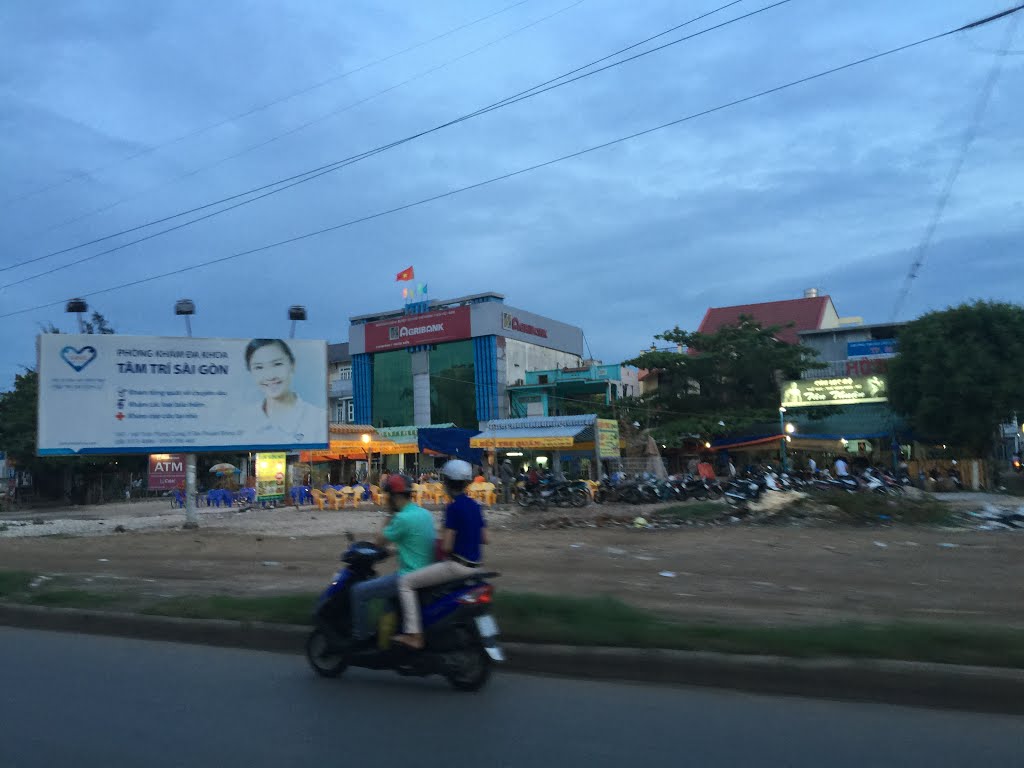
point(461, 634)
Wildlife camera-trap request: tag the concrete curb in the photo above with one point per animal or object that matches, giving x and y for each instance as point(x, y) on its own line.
point(986, 689)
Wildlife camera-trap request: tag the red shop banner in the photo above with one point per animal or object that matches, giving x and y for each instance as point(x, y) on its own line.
point(414, 330)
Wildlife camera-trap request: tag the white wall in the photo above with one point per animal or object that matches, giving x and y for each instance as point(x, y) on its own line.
point(521, 357)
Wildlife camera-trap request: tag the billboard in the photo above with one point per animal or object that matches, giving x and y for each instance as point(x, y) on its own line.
point(873, 348)
point(415, 330)
point(839, 391)
point(112, 394)
point(166, 471)
point(270, 476)
point(608, 438)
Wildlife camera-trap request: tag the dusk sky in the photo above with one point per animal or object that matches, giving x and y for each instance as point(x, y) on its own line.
point(830, 184)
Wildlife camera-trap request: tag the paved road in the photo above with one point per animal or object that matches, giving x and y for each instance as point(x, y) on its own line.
point(71, 700)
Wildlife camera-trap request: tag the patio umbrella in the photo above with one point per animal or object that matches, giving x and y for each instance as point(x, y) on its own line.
point(223, 468)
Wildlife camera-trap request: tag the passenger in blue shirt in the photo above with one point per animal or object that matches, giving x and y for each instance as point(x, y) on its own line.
point(465, 533)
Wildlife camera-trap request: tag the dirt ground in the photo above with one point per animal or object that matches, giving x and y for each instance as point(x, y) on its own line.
point(736, 574)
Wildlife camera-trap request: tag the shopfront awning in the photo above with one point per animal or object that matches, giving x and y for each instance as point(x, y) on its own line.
point(450, 442)
point(748, 441)
point(550, 432)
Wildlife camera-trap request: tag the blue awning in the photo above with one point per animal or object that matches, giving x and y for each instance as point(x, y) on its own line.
point(450, 442)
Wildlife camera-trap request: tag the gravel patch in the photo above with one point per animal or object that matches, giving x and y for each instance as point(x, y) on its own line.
point(283, 521)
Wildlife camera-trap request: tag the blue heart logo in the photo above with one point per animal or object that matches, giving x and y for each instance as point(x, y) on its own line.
point(78, 358)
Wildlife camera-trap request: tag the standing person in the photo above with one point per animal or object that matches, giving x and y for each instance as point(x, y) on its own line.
point(507, 478)
point(842, 468)
point(692, 467)
point(732, 471)
point(465, 533)
point(411, 528)
point(812, 465)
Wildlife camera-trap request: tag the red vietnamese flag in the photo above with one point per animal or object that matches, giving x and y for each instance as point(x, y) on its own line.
point(405, 275)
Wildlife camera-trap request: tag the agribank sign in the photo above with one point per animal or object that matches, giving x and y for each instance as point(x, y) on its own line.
point(111, 394)
point(414, 330)
point(510, 322)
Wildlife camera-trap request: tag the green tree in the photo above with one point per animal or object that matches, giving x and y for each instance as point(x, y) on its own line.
point(18, 411)
point(729, 377)
point(958, 374)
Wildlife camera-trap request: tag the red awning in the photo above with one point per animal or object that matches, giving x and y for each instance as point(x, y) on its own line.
point(747, 443)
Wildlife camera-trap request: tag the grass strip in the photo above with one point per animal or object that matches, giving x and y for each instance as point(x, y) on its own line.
point(595, 621)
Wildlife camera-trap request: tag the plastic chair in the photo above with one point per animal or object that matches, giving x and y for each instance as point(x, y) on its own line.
point(319, 498)
point(334, 499)
point(475, 491)
point(380, 499)
point(356, 496)
point(435, 492)
point(489, 494)
point(212, 499)
point(247, 495)
point(296, 495)
point(179, 500)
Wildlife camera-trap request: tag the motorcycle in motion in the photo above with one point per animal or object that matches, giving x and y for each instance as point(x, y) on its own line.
point(461, 635)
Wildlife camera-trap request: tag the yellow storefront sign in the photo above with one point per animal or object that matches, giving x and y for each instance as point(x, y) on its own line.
point(521, 442)
point(608, 438)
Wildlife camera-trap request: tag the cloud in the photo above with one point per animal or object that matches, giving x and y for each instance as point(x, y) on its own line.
point(828, 184)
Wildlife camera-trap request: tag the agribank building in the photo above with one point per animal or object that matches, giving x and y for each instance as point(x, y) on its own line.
point(438, 362)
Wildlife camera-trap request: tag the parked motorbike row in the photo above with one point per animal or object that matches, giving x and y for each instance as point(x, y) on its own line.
point(750, 487)
point(647, 489)
point(560, 493)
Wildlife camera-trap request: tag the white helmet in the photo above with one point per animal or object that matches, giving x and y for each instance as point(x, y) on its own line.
point(458, 471)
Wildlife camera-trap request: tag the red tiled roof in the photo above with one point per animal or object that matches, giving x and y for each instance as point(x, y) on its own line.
point(805, 314)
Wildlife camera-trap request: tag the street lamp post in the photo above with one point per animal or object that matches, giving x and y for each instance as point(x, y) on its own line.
point(186, 308)
point(78, 307)
point(296, 313)
point(782, 431)
point(369, 456)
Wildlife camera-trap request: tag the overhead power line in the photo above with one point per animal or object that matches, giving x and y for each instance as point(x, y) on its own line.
point(301, 178)
point(970, 133)
point(511, 174)
point(296, 129)
point(261, 107)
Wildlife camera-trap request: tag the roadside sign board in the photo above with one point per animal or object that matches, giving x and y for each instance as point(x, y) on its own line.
point(112, 394)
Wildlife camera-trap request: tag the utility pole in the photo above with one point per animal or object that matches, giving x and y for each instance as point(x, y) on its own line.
point(186, 308)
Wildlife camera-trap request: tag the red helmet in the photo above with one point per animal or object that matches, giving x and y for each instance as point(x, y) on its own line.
point(398, 484)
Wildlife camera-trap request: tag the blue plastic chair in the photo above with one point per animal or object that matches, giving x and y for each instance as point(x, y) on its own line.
point(179, 500)
point(212, 498)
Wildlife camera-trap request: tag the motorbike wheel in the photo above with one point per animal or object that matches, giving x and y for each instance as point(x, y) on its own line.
point(524, 499)
point(601, 496)
point(324, 661)
point(474, 670)
point(715, 493)
point(580, 498)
